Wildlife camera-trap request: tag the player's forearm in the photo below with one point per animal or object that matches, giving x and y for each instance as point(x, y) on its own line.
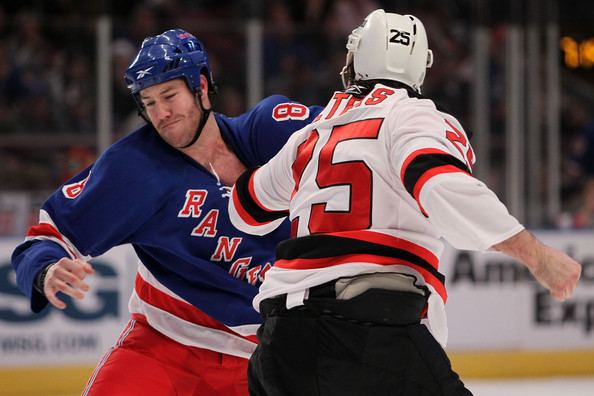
point(552, 268)
point(524, 247)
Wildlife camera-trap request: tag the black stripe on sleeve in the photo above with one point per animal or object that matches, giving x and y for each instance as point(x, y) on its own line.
point(425, 162)
point(259, 214)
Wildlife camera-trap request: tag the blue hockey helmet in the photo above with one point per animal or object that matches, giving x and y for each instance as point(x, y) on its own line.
point(170, 55)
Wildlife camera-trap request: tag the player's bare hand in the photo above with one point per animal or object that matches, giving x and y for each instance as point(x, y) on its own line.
point(552, 268)
point(67, 276)
point(558, 272)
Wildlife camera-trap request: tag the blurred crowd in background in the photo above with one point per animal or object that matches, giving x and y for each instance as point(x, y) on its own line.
point(48, 89)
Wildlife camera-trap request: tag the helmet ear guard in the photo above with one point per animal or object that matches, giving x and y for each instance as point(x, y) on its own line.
point(388, 46)
point(429, 58)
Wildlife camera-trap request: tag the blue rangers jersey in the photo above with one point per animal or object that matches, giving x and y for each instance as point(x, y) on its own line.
point(197, 273)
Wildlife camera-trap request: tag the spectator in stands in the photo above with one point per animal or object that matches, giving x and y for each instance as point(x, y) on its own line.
point(583, 215)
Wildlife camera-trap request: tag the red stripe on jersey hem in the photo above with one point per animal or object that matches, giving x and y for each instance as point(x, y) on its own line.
point(307, 264)
point(325, 262)
point(155, 297)
point(48, 230)
point(390, 241)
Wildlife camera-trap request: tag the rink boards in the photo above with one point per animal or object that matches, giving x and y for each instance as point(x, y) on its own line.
point(501, 323)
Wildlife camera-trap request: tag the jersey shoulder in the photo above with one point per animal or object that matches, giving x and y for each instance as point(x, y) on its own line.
point(257, 135)
point(142, 154)
point(420, 128)
point(137, 163)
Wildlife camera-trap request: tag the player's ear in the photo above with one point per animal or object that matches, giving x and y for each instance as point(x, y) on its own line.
point(203, 89)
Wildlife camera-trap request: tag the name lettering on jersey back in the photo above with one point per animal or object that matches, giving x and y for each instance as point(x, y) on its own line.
point(343, 102)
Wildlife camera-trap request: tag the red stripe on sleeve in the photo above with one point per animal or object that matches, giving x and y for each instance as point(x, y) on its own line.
point(253, 195)
point(428, 175)
point(48, 230)
point(415, 154)
point(244, 214)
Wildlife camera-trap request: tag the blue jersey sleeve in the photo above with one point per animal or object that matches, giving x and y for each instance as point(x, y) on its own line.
point(256, 136)
point(28, 259)
point(97, 209)
point(121, 191)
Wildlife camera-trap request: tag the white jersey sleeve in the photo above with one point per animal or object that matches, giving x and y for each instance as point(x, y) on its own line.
point(261, 196)
point(434, 161)
point(467, 213)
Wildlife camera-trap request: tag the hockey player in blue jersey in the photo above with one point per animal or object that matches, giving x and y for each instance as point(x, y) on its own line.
point(164, 190)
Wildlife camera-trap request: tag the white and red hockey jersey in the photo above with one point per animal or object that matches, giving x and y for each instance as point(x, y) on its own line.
point(372, 185)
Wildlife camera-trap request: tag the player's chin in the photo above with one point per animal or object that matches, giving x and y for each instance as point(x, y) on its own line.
point(172, 137)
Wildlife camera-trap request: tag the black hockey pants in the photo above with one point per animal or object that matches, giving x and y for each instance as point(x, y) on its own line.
point(370, 345)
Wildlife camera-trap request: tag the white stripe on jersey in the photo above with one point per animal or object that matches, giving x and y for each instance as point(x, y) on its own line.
point(52, 233)
point(186, 332)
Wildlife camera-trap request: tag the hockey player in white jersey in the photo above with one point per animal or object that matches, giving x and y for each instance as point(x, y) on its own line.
point(371, 187)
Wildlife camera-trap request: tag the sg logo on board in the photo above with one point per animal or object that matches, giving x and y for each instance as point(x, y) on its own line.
point(108, 298)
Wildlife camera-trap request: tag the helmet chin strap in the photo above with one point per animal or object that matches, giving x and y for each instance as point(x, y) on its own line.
point(347, 74)
point(203, 119)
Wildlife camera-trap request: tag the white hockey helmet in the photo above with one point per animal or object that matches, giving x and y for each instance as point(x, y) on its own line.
point(388, 46)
